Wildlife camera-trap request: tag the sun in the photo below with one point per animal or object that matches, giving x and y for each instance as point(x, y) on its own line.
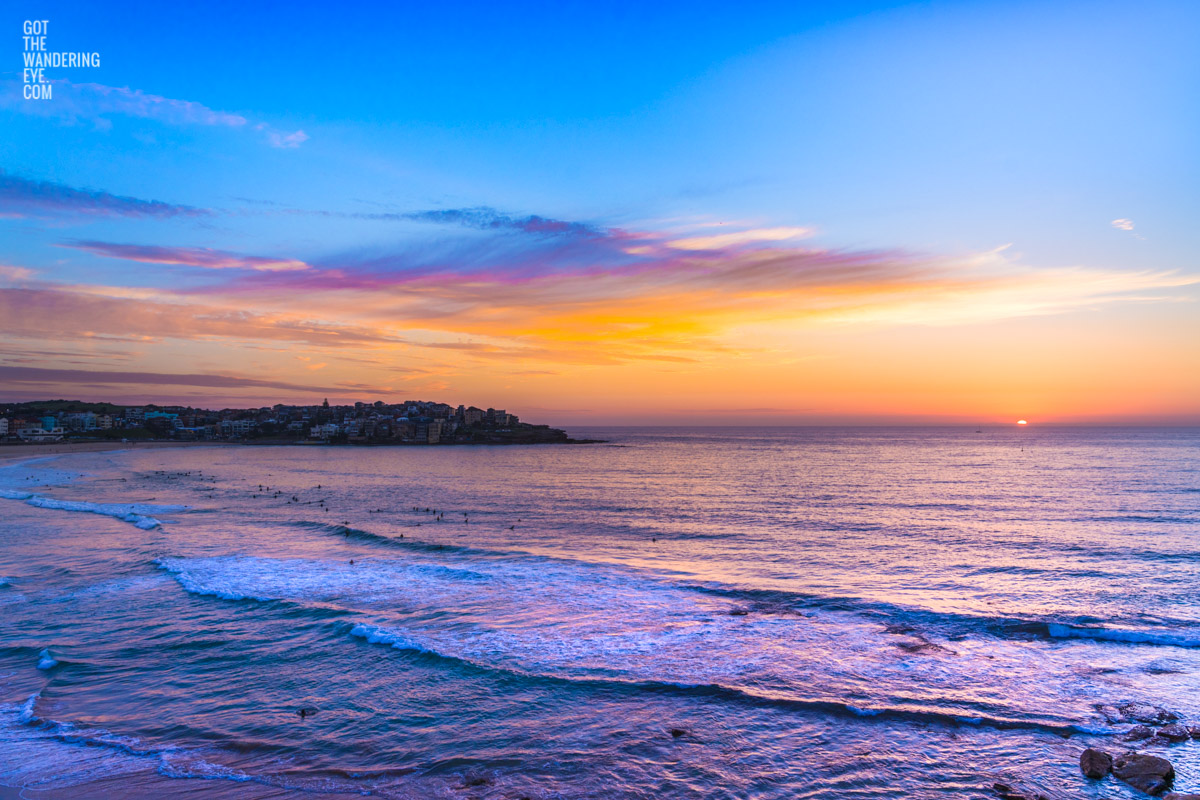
point(1022, 422)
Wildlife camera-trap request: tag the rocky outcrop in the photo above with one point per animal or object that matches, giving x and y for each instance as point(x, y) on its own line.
point(1095, 763)
point(1174, 733)
point(1143, 712)
point(1137, 712)
point(1144, 772)
point(1008, 791)
point(1137, 733)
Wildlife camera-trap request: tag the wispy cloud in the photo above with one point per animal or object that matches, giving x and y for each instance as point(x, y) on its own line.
point(16, 274)
point(732, 239)
point(36, 375)
point(532, 302)
point(63, 313)
point(485, 218)
point(95, 99)
point(95, 103)
point(202, 257)
point(22, 197)
point(671, 303)
point(282, 139)
point(1127, 225)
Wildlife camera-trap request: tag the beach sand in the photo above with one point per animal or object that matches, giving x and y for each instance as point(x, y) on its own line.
point(8, 451)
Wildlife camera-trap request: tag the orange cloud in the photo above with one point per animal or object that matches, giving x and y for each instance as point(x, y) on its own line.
point(747, 324)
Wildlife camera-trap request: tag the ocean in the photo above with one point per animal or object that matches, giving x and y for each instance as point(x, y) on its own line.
point(677, 613)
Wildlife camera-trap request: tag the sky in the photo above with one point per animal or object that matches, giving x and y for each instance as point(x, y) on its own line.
point(768, 213)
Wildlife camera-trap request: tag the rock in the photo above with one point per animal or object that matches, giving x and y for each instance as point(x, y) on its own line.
point(1095, 763)
point(1180, 796)
point(1146, 773)
point(1194, 731)
point(677, 732)
point(1174, 732)
point(1008, 792)
point(1151, 715)
point(738, 611)
point(1137, 733)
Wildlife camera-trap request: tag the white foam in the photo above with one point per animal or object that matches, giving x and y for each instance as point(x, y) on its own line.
point(202, 582)
point(377, 635)
point(178, 764)
point(1062, 631)
point(26, 713)
point(137, 514)
point(578, 620)
point(46, 661)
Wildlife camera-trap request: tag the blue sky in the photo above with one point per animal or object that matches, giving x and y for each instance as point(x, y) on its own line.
point(924, 131)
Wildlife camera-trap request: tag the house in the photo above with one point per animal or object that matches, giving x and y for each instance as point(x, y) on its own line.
point(237, 427)
point(326, 431)
point(40, 434)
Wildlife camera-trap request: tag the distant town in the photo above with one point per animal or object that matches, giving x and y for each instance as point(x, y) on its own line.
point(410, 423)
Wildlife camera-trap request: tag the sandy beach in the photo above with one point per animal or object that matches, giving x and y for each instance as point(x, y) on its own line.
point(8, 451)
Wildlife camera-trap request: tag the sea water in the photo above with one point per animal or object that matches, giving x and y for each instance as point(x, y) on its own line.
point(678, 613)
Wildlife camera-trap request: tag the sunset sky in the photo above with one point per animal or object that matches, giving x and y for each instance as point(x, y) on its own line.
point(693, 213)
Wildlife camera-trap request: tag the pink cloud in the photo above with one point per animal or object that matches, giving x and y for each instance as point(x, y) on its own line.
point(35, 375)
point(60, 313)
point(202, 257)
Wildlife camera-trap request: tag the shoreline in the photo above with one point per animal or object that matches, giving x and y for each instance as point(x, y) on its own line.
point(8, 451)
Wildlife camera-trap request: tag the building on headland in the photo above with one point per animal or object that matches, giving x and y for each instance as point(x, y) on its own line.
point(237, 428)
point(411, 422)
point(83, 421)
point(3, 427)
point(329, 430)
point(32, 434)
